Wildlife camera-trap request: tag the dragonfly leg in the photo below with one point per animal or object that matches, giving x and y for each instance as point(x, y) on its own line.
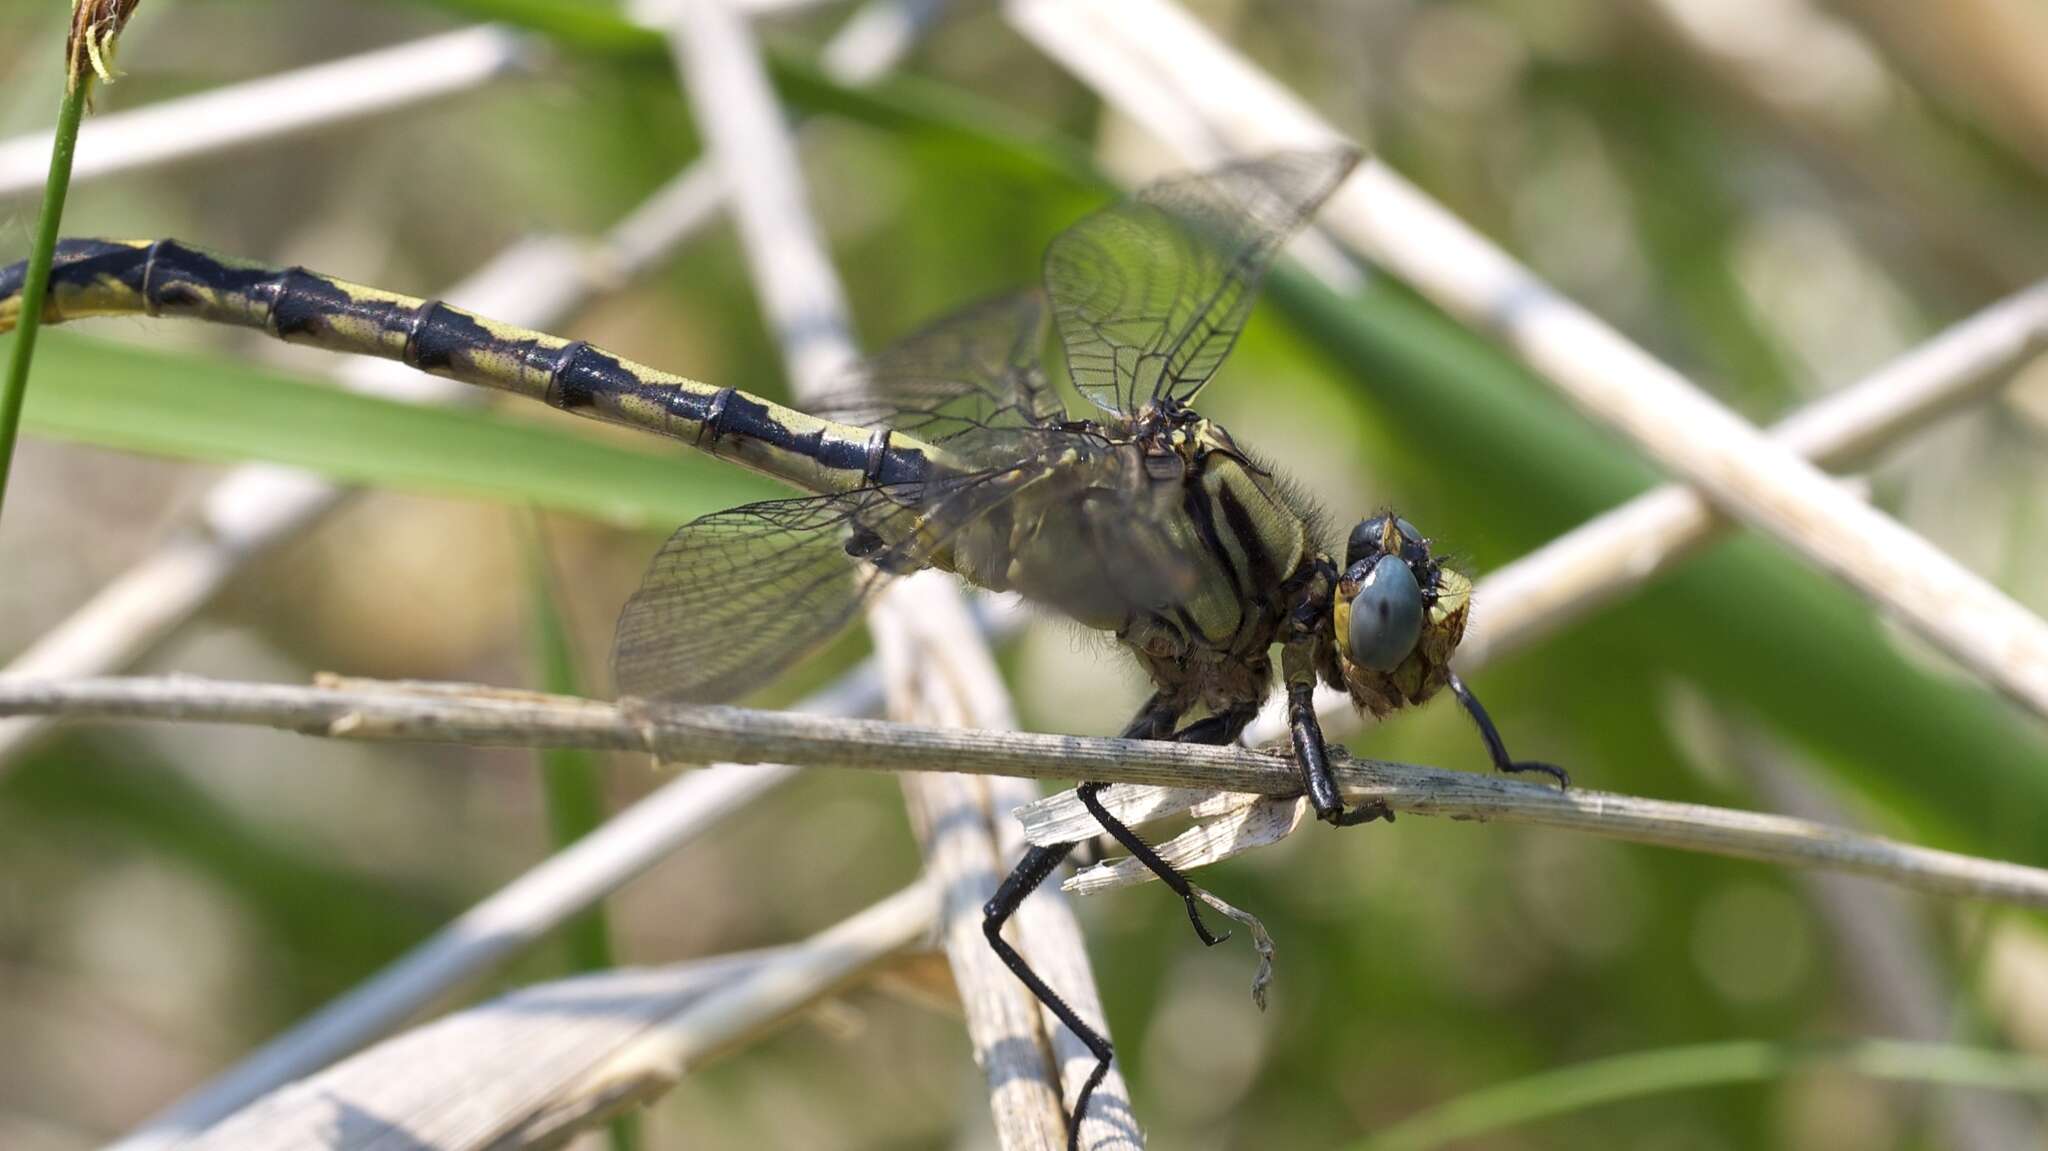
point(1313, 758)
point(1306, 622)
point(1495, 747)
point(1155, 720)
point(1143, 853)
point(1220, 728)
point(1037, 864)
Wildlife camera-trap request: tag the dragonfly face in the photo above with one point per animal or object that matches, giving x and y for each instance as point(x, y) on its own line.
point(1397, 617)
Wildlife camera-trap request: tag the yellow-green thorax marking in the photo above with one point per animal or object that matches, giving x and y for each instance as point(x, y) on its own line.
point(1251, 537)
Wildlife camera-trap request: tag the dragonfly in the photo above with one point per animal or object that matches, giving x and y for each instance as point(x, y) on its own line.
point(954, 449)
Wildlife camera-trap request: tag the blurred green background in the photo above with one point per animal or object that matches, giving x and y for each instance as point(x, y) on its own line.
point(1777, 196)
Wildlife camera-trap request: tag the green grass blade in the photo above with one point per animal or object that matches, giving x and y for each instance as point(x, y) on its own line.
point(570, 785)
point(14, 387)
point(574, 799)
point(120, 396)
point(1602, 1081)
point(584, 27)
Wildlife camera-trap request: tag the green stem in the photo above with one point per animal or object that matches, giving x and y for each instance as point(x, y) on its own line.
point(572, 790)
point(1568, 1089)
point(573, 797)
point(37, 284)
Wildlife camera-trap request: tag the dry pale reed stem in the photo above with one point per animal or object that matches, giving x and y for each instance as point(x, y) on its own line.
point(533, 1068)
point(454, 714)
point(801, 295)
point(1802, 68)
point(762, 999)
point(950, 814)
point(274, 107)
point(962, 820)
point(749, 145)
point(1612, 555)
point(1380, 214)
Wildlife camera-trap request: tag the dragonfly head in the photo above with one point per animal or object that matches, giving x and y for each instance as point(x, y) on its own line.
point(1399, 615)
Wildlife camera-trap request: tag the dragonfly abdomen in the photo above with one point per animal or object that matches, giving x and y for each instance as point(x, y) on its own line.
point(165, 277)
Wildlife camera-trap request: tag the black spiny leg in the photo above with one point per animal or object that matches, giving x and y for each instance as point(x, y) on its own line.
point(1221, 728)
point(1313, 758)
point(1032, 870)
point(1143, 853)
point(1310, 618)
point(1495, 747)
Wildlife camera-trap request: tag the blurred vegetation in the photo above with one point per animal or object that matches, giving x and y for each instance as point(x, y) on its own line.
point(171, 898)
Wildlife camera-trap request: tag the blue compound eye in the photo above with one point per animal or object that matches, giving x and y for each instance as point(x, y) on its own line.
point(1386, 616)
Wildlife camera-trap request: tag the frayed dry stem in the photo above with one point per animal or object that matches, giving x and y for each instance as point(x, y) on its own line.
point(1262, 941)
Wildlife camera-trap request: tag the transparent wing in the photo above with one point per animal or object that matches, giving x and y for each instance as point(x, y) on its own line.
point(971, 381)
point(1150, 294)
point(1083, 538)
point(736, 597)
point(1122, 562)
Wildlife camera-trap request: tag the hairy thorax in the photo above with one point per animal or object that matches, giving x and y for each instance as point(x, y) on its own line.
point(1237, 539)
point(1174, 542)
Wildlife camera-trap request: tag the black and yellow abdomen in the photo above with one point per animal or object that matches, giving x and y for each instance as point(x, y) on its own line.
point(167, 278)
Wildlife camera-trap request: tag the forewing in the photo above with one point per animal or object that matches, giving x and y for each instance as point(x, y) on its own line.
point(971, 380)
point(1150, 294)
